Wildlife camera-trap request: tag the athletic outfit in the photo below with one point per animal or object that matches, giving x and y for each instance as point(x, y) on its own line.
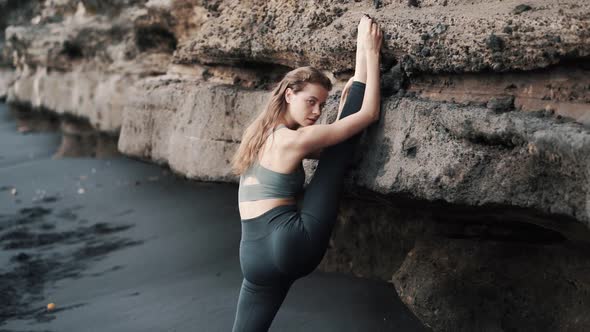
point(284, 244)
point(271, 184)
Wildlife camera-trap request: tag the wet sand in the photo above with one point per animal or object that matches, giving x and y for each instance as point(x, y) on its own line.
point(122, 245)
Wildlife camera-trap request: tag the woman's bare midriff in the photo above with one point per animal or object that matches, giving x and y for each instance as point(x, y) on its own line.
point(254, 209)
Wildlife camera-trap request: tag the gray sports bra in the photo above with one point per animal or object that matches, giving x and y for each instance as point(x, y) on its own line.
point(270, 184)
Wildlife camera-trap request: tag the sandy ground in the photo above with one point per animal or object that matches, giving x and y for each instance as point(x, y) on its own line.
point(122, 245)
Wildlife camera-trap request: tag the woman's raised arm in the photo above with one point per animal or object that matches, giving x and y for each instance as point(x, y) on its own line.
point(307, 140)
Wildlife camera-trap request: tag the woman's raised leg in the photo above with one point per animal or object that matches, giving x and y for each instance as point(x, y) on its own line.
point(322, 195)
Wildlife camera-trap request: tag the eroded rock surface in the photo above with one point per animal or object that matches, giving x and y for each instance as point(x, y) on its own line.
point(435, 151)
point(496, 286)
point(192, 126)
point(12, 12)
point(81, 58)
point(436, 36)
point(473, 155)
point(490, 268)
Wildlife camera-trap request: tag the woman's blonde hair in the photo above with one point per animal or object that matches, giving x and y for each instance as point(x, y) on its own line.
point(258, 131)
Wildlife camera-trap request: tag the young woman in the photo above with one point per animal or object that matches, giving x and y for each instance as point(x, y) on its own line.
point(279, 243)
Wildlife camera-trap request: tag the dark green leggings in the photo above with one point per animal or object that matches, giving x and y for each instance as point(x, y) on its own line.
point(282, 245)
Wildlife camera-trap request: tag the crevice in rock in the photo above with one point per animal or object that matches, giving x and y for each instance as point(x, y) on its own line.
point(563, 90)
point(501, 140)
point(490, 230)
point(487, 221)
point(72, 50)
point(155, 37)
point(249, 75)
point(225, 140)
point(495, 141)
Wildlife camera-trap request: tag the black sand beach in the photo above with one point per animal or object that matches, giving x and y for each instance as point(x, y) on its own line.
point(122, 245)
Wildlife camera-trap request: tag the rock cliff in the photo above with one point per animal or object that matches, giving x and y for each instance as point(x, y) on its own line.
point(472, 191)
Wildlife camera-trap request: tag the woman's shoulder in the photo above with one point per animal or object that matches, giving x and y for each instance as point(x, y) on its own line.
point(284, 135)
point(285, 140)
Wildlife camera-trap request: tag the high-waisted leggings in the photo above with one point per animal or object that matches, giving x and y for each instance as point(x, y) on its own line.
point(283, 244)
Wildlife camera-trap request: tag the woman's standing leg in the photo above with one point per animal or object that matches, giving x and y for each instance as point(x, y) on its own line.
point(264, 286)
point(258, 305)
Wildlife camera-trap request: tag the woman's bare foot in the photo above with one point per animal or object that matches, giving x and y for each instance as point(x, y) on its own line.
point(373, 41)
point(360, 70)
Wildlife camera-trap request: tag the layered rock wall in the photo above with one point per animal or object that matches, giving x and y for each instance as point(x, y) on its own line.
point(193, 126)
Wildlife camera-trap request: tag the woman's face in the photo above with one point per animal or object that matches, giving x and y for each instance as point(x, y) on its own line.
point(305, 106)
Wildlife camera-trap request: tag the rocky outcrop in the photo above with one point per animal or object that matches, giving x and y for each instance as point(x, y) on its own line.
point(433, 36)
point(12, 12)
point(496, 285)
point(461, 154)
point(475, 156)
point(478, 169)
point(462, 268)
point(81, 58)
point(180, 121)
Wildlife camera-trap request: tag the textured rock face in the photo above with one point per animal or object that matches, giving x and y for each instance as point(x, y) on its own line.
point(496, 286)
point(435, 36)
point(194, 127)
point(435, 151)
point(462, 268)
point(81, 58)
point(12, 12)
point(473, 190)
point(562, 90)
point(473, 155)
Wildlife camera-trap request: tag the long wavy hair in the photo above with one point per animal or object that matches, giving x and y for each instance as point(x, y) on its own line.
point(261, 127)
